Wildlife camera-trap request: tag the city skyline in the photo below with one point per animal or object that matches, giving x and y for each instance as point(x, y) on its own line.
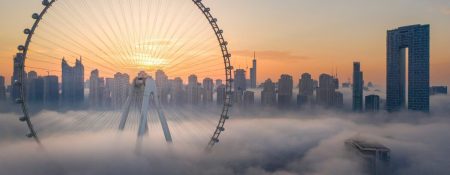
point(308, 48)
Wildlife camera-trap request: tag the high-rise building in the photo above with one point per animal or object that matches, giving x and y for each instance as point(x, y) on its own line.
point(438, 90)
point(219, 82)
point(177, 93)
point(249, 98)
point(107, 92)
point(96, 89)
point(2, 89)
point(35, 88)
point(18, 62)
point(120, 90)
point(51, 90)
point(221, 90)
point(358, 86)
point(306, 89)
point(285, 87)
point(374, 157)
point(208, 91)
point(253, 73)
point(193, 90)
point(268, 94)
point(72, 87)
point(372, 103)
point(326, 92)
point(162, 83)
point(240, 80)
point(412, 42)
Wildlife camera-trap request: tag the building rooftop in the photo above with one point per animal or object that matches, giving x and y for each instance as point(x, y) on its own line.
point(365, 145)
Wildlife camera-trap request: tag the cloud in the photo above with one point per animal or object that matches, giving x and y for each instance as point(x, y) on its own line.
point(264, 142)
point(271, 55)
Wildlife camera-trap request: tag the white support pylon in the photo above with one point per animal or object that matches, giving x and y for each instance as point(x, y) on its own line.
point(150, 93)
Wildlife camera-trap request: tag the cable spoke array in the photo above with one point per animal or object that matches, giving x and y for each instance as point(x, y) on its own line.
point(128, 36)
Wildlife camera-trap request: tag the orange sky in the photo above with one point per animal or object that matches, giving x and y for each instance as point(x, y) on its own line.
point(295, 36)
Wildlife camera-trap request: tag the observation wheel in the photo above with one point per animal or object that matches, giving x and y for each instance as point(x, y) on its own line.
point(96, 61)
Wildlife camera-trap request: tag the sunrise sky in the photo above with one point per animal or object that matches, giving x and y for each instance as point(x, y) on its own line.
point(294, 36)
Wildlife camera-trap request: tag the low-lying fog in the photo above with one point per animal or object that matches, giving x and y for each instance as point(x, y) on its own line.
point(259, 142)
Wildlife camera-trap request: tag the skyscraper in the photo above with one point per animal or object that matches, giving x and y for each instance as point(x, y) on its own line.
point(306, 89)
point(253, 73)
point(72, 82)
point(18, 62)
point(372, 103)
point(326, 92)
point(208, 91)
point(162, 82)
point(240, 80)
point(35, 88)
point(285, 87)
point(221, 90)
point(120, 90)
point(374, 156)
point(96, 89)
point(268, 94)
point(177, 93)
point(249, 98)
point(414, 42)
point(358, 85)
point(193, 90)
point(2, 89)
point(51, 90)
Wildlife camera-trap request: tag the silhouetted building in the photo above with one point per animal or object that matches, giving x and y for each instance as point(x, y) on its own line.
point(96, 89)
point(306, 89)
point(51, 90)
point(2, 89)
point(208, 91)
point(240, 80)
point(438, 90)
point(120, 90)
point(268, 94)
point(249, 98)
point(285, 87)
point(219, 82)
point(372, 103)
point(35, 88)
point(375, 157)
point(253, 73)
point(193, 90)
point(221, 94)
point(72, 87)
point(18, 62)
point(162, 83)
point(177, 93)
point(326, 92)
point(358, 85)
point(416, 41)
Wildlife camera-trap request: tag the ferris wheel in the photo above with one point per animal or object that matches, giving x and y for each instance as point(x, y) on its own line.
point(107, 43)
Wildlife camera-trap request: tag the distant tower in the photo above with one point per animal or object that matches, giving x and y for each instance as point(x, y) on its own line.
point(240, 80)
point(18, 62)
point(208, 91)
point(358, 84)
point(326, 93)
point(372, 103)
point(253, 73)
point(285, 87)
point(268, 94)
point(72, 82)
point(416, 40)
point(193, 90)
point(306, 89)
point(2, 89)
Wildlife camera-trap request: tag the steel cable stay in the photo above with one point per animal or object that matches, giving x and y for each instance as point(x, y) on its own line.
point(113, 44)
